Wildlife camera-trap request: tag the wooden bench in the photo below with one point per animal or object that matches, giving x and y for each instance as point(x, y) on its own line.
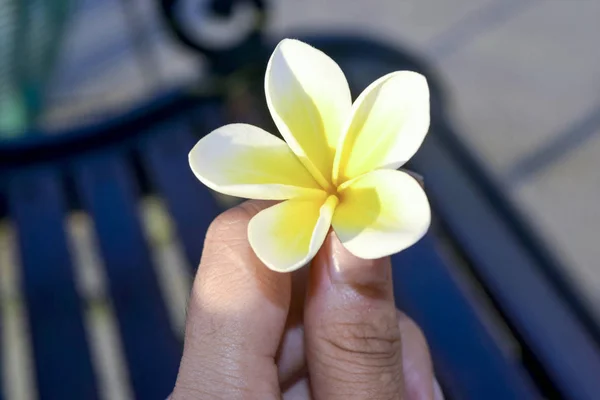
point(499, 320)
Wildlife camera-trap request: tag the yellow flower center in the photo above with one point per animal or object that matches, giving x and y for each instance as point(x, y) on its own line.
point(332, 201)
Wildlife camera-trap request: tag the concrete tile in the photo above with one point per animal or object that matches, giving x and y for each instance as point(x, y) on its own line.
point(562, 202)
point(100, 71)
point(93, 39)
point(523, 83)
point(413, 23)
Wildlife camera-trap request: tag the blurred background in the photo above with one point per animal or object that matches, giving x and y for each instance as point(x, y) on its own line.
point(521, 80)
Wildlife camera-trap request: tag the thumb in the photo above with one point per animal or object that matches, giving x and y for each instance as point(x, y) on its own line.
point(353, 338)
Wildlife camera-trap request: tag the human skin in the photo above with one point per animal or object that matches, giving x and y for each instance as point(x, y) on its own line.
point(328, 331)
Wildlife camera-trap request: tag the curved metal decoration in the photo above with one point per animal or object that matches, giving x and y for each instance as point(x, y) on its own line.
point(224, 58)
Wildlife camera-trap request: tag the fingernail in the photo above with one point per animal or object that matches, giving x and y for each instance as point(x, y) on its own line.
point(344, 267)
point(437, 390)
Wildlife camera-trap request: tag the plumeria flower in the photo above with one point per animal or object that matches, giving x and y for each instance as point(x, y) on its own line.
point(337, 166)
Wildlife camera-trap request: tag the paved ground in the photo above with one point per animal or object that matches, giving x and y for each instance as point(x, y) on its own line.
point(524, 80)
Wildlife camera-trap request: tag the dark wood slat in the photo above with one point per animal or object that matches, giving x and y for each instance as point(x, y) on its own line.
point(152, 350)
point(469, 363)
point(533, 305)
point(62, 358)
point(165, 157)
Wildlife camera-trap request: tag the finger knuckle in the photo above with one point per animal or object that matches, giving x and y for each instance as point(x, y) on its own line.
point(374, 342)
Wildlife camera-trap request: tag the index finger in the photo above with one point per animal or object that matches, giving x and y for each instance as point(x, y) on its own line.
point(236, 316)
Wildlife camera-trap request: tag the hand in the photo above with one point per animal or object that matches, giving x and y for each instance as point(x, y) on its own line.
point(330, 331)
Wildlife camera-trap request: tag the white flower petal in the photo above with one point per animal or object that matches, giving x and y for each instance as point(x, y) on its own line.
point(309, 100)
point(388, 124)
point(287, 236)
point(245, 161)
point(381, 213)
